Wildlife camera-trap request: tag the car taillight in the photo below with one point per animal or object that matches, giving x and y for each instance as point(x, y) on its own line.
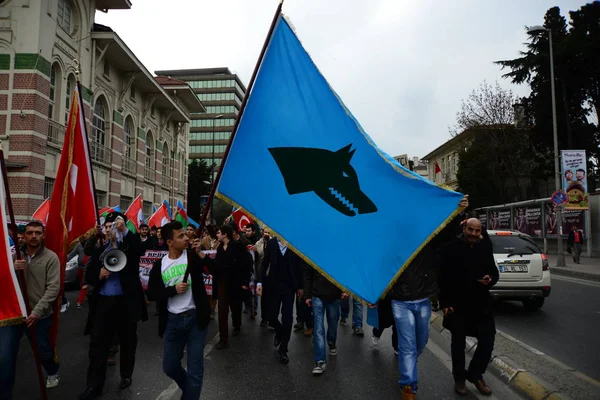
point(545, 263)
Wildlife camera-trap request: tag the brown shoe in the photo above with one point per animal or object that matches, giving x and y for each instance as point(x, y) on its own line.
point(408, 394)
point(460, 388)
point(482, 387)
point(308, 332)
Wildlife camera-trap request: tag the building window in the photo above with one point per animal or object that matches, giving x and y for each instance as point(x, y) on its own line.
point(128, 138)
point(149, 151)
point(132, 93)
point(48, 187)
point(98, 133)
point(124, 203)
point(68, 94)
point(106, 69)
point(152, 111)
point(166, 162)
point(101, 199)
point(52, 92)
point(147, 208)
point(64, 15)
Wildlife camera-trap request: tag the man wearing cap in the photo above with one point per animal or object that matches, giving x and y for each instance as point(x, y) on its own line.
point(117, 306)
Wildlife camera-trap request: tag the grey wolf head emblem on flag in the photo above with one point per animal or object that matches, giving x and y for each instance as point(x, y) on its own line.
point(327, 173)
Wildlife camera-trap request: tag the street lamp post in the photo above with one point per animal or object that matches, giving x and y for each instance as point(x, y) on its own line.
point(212, 170)
point(536, 30)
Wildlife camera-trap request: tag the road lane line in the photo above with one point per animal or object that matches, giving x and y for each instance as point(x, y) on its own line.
point(170, 392)
point(576, 280)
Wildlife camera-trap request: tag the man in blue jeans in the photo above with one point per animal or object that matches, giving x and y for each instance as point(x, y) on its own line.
point(184, 308)
point(357, 316)
point(411, 306)
point(324, 298)
point(43, 283)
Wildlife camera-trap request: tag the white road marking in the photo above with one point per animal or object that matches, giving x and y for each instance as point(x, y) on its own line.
point(576, 280)
point(170, 392)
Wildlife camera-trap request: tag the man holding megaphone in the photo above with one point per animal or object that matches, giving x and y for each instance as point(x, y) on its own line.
point(117, 303)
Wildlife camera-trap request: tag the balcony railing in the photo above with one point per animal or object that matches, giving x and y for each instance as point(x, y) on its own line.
point(149, 175)
point(56, 133)
point(129, 165)
point(100, 153)
point(166, 182)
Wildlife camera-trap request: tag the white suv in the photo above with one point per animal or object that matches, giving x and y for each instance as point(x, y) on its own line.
point(524, 269)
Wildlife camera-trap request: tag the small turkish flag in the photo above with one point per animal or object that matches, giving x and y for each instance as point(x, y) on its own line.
point(437, 168)
point(241, 219)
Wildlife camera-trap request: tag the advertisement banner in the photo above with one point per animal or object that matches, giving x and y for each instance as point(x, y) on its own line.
point(482, 216)
point(499, 219)
point(574, 167)
point(573, 218)
point(529, 220)
point(550, 219)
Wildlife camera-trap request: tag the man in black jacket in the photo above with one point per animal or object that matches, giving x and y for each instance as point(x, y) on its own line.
point(468, 272)
point(184, 309)
point(282, 268)
point(324, 298)
point(411, 305)
point(117, 304)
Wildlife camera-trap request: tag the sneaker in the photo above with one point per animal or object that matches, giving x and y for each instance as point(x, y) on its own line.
point(79, 306)
point(481, 386)
point(308, 332)
point(65, 307)
point(52, 381)
point(375, 341)
point(319, 368)
point(343, 322)
point(332, 349)
point(358, 332)
point(298, 327)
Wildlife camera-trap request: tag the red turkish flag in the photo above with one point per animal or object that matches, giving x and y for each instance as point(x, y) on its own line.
point(437, 168)
point(12, 304)
point(241, 219)
point(73, 209)
point(160, 217)
point(41, 214)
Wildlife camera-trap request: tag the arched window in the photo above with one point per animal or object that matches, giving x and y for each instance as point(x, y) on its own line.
point(128, 139)
point(54, 76)
point(64, 15)
point(166, 161)
point(149, 152)
point(68, 94)
point(98, 122)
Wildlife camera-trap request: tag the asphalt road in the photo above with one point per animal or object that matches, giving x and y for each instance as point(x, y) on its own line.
point(249, 368)
point(565, 328)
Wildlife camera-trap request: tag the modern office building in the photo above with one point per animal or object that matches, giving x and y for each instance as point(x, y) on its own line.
point(137, 126)
point(221, 92)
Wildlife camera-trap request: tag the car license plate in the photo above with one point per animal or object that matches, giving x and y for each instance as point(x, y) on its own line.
point(513, 268)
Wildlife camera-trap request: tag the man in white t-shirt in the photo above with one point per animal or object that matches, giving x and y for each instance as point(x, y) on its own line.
point(184, 309)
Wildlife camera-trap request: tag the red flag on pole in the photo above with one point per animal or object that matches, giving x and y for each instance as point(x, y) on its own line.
point(12, 304)
point(73, 209)
point(135, 214)
point(160, 217)
point(437, 168)
point(41, 214)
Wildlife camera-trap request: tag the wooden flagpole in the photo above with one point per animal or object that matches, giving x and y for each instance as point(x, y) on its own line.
point(213, 190)
point(21, 277)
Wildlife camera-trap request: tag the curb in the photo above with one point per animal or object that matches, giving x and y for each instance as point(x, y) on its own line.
point(575, 274)
point(519, 379)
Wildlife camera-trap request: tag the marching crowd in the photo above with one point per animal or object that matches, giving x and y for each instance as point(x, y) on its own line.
point(455, 268)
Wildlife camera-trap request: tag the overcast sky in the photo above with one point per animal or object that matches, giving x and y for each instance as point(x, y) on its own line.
point(401, 66)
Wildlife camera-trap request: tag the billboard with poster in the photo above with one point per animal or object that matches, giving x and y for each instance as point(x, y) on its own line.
point(528, 220)
point(574, 176)
point(573, 218)
point(499, 219)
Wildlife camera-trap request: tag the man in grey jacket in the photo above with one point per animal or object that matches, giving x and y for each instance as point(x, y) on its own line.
point(42, 271)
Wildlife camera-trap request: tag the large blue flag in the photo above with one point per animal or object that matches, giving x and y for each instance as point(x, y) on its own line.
point(321, 184)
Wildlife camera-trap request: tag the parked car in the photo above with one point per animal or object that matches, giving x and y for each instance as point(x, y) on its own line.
point(71, 278)
point(524, 269)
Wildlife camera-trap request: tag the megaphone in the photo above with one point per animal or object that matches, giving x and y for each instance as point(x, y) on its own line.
point(114, 260)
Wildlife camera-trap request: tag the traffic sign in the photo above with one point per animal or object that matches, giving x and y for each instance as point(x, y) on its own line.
point(559, 198)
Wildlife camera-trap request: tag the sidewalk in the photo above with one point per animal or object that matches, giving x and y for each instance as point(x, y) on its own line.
point(588, 269)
